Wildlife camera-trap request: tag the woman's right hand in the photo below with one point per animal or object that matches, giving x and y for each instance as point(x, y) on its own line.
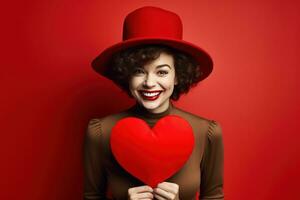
point(142, 192)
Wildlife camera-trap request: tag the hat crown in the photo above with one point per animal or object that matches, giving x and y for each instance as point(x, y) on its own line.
point(153, 22)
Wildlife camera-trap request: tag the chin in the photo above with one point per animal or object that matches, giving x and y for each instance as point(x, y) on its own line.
point(151, 105)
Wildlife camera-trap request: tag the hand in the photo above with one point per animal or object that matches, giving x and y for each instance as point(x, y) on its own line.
point(166, 190)
point(142, 192)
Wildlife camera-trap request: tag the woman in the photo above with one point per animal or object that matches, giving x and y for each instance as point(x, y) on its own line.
point(153, 65)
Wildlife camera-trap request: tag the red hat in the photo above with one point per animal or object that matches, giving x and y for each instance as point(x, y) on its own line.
point(153, 25)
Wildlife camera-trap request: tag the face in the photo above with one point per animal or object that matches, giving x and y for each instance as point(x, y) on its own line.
point(153, 84)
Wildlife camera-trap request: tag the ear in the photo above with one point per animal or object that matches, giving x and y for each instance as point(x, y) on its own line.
point(175, 81)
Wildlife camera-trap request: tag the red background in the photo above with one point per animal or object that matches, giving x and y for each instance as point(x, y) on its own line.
point(49, 91)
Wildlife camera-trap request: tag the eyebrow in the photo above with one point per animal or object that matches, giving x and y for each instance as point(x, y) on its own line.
point(163, 65)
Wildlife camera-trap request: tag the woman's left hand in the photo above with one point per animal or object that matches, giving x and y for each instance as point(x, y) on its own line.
point(166, 190)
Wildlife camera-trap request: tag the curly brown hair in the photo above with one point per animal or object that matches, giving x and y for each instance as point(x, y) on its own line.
point(123, 64)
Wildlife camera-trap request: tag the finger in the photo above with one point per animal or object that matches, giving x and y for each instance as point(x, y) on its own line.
point(172, 185)
point(144, 188)
point(168, 187)
point(158, 197)
point(145, 195)
point(163, 193)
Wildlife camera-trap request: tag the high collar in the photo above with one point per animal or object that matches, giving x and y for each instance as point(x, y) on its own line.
point(140, 111)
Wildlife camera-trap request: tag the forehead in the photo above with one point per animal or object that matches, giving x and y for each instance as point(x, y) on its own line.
point(163, 58)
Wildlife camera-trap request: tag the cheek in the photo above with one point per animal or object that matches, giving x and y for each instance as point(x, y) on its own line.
point(169, 85)
point(134, 84)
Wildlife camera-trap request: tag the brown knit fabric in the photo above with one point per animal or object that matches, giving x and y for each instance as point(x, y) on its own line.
point(203, 172)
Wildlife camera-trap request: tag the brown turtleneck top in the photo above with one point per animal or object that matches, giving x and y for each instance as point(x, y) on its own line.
point(201, 176)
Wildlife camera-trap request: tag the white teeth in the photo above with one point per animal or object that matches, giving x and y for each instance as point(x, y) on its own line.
point(150, 94)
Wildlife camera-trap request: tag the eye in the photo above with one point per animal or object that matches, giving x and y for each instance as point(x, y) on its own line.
point(138, 71)
point(162, 72)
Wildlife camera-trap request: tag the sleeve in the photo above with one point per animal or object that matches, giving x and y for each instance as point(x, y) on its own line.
point(212, 164)
point(95, 181)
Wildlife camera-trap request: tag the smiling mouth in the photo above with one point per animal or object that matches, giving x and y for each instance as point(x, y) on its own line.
point(150, 95)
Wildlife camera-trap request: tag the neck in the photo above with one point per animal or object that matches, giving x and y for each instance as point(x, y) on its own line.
point(143, 112)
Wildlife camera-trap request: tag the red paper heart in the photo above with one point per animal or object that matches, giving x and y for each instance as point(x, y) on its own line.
point(152, 155)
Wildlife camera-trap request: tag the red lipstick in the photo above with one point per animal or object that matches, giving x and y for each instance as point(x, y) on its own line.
point(150, 95)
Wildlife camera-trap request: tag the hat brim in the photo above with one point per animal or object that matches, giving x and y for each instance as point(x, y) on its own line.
point(101, 62)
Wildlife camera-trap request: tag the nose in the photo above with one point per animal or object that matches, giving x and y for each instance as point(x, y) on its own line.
point(149, 81)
